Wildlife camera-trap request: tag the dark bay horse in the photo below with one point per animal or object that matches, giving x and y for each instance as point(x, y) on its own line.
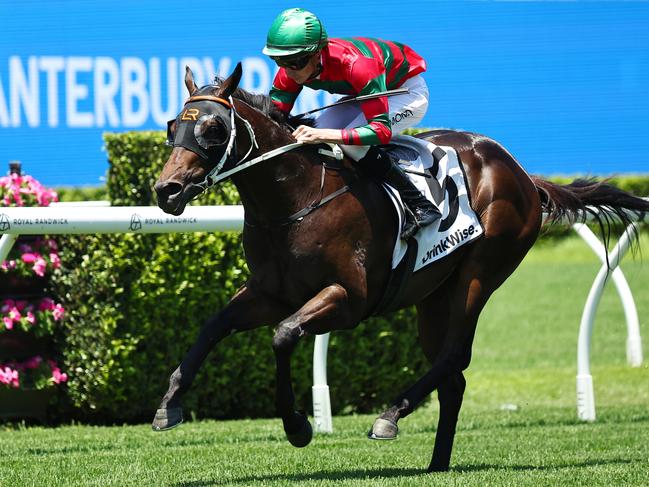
point(318, 266)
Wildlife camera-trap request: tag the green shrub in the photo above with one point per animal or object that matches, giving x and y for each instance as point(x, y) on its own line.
point(82, 193)
point(135, 304)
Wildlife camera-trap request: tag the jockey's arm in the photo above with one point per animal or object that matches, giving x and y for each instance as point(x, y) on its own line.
point(284, 91)
point(367, 77)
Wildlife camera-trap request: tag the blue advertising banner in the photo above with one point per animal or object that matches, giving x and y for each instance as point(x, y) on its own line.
point(563, 85)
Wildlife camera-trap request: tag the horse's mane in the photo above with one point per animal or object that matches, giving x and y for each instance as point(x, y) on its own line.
point(264, 104)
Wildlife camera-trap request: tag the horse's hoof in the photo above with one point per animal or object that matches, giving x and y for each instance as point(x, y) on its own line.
point(383, 429)
point(166, 419)
point(300, 437)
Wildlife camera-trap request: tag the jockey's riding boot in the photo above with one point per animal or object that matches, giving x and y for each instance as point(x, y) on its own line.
point(419, 211)
point(423, 212)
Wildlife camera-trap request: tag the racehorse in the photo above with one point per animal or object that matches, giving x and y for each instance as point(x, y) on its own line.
point(318, 239)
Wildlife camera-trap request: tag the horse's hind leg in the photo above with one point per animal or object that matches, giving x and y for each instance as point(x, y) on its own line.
point(448, 355)
point(450, 394)
point(245, 311)
point(433, 316)
point(449, 319)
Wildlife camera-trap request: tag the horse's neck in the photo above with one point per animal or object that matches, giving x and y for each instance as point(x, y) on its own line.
point(274, 189)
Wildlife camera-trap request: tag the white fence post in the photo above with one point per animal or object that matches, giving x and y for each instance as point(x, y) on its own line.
point(320, 390)
point(585, 391)
point(6, 243)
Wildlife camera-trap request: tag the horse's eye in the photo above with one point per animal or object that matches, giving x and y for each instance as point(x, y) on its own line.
point(171, 131)
point(215, 133)
point(211, 131)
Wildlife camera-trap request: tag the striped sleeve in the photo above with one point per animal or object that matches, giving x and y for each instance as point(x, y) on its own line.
point(284, 91)
point(367, 77)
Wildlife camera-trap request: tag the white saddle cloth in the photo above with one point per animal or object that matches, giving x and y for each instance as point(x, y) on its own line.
point(446, 189)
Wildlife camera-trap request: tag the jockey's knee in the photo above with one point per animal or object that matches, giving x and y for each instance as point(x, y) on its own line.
point(355, 152)
point(375, 163)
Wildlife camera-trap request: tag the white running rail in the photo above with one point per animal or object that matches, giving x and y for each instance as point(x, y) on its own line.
point(98, 217)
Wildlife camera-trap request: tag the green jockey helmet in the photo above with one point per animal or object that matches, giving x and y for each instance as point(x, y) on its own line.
point(295, 32)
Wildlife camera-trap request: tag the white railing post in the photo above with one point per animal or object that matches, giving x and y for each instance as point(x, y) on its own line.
point(634, 342)
point(6, 244)
point(320, 390)
point(585, 392)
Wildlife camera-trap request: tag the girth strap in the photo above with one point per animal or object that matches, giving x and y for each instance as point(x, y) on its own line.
point(305, 211)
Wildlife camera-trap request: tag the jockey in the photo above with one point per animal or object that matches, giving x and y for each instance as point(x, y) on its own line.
point(298, 43)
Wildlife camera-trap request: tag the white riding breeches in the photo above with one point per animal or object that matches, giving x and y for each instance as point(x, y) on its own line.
point(406, 111)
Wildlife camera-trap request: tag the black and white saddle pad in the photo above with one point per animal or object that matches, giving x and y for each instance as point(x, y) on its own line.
point(447, 189)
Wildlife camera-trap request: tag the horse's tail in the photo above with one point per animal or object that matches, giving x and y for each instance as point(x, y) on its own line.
point(575, 201)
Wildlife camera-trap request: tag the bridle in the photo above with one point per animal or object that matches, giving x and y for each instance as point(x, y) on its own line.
point(214, 176)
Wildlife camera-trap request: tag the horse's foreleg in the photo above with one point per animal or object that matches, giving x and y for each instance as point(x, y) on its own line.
point(329, 305)
point(245, 311)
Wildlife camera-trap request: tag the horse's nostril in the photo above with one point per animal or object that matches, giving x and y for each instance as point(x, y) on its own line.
point(168, 188)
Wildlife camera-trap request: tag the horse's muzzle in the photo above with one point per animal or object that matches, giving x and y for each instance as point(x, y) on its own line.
point(173, 196)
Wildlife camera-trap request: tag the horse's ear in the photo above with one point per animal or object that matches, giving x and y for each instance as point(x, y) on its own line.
point(189, 81)
point(230, 84)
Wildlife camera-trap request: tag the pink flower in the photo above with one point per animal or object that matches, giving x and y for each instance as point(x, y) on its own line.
point(9, 376)
point(9, 323)
point(17, 179)
point(44, 198)
point(58, 312)
point(33, 362)
point(56, 261)
point(46, 304)
point(29, 257)
point(51, 243)
point(39, 267)
point(31, 319)
point(14, 314)
point(18, 199)
point(59, 377)
point(21, 305)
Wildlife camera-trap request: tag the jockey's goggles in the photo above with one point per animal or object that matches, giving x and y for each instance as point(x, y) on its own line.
point(294, 63)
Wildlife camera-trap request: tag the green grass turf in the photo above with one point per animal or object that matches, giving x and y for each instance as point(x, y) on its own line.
point(518, 425)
